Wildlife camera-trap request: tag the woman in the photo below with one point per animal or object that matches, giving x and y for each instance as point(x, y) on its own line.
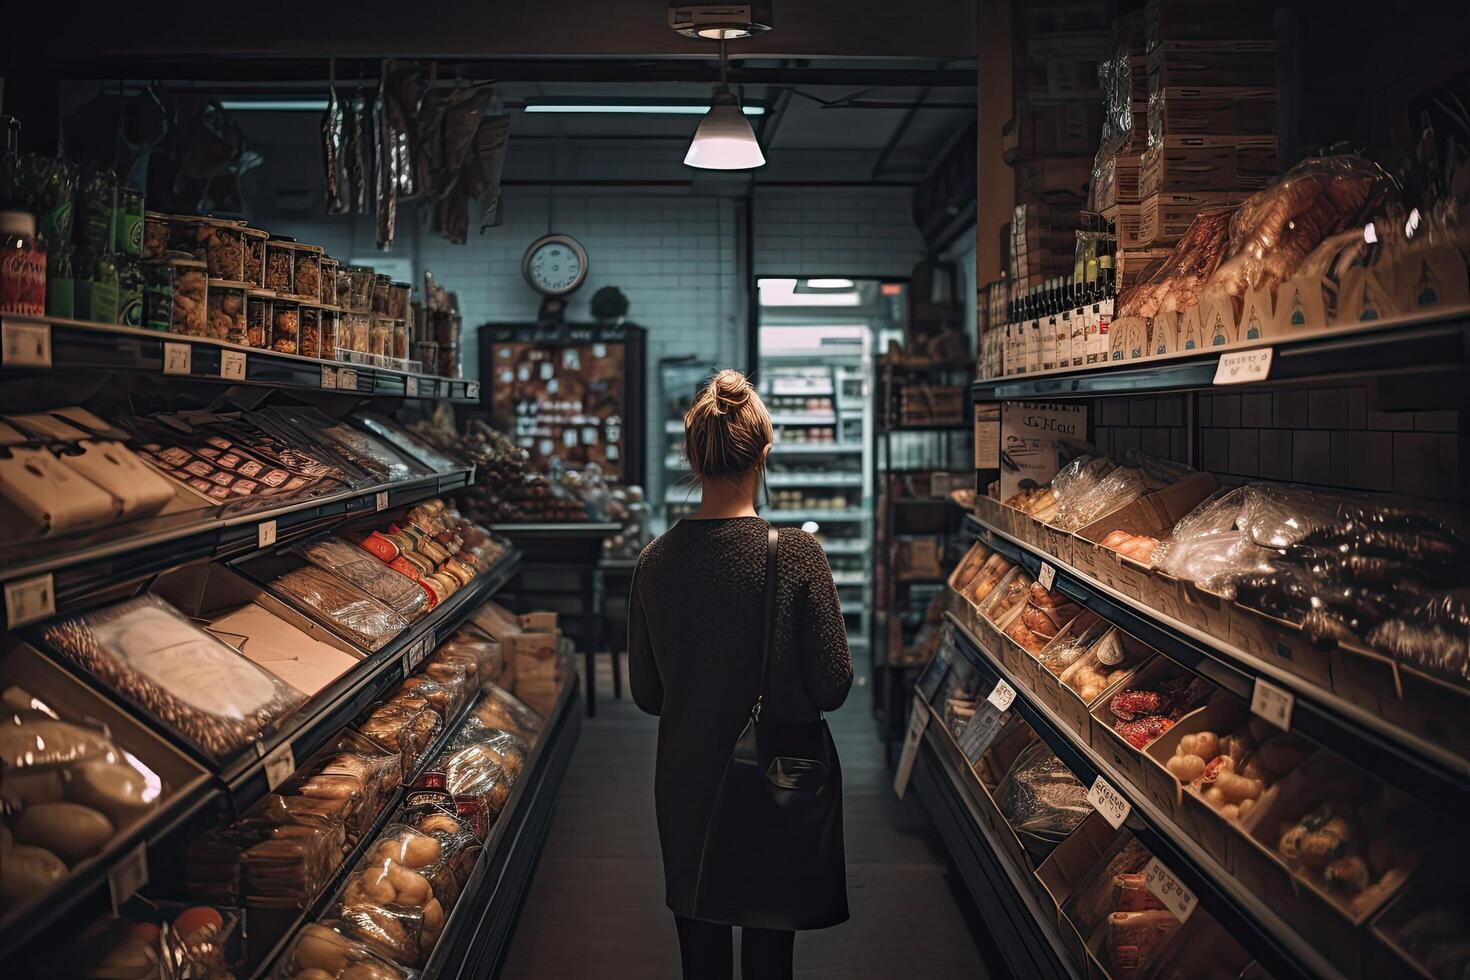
point(696, 623)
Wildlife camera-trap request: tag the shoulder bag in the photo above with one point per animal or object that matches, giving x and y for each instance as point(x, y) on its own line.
point(773, 854)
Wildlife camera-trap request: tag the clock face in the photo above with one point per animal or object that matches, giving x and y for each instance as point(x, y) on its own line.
point(555, 265)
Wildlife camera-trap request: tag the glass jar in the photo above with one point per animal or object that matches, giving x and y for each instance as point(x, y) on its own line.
point(311, 330)
point(189, 314)
point(331, 320)
point(183, 235)
point(398, 293)
point(400, 340)
point(330, 270)
point(380, 340)
point(353, 335)
point(280, 269)
point(22, 265)
point(308, 276)
point(254, 239)
point(381, 286)
point(155, 234)
point(449, 361)
point(222, 245)
point(227, 317)
point(426, 352)
point(359, 289)
point(259, 308)
point(285, 325)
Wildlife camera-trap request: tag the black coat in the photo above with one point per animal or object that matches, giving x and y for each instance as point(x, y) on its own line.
point(695, 621)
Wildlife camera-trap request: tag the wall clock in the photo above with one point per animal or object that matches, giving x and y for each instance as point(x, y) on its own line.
point(555, 265)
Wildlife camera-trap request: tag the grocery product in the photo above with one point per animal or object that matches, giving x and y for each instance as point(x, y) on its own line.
point(221, 244)
point(1139, 547)
point(987, 578)
point(1230, 772)
point(1111, 656)
point(1140, 714)
point(1011, 594)
point(325, 949)
point(227, 314)
point(361, 617)
point(1040, 798)
point(354, 565)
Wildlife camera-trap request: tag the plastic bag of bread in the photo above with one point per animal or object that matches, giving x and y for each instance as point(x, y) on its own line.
point(1086, 504)
point(181, 676)
point(324, 950)
point(502, 709)
point(475, 770)
point(439, 857)
point(292, 865)
point(1073, 642)
point(990, 575)
point(469, 642)
point(1041, 799)
point(1009, 595)
point(442, 699)
point(347, 561)
point(363, 780)
point(1274, 230)
point(1175, 285)
point(393, 909)
point(405, 724)
point(509, 749)
point(458, 672)
point(363, 619)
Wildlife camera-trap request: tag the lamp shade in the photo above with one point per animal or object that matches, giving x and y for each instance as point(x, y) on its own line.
point(724, 139)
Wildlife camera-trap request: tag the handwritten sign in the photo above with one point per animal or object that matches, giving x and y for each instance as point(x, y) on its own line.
point(1109, 802)
point(1243, 366)
point(1272, 703)
point(1160, 881)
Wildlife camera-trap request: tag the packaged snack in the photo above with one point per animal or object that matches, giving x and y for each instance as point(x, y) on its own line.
point(222, 246)
point(507, 749)
point(365, 571)
point(253, 240)
point(325, 949)
point(227, 316)
point(362, 618)
point(190, 315)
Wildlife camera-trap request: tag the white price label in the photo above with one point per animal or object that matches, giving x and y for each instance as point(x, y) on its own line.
point(279, 765)
point(25, 344)
point(979, 732)
point(918, 721)
point(1160, 881)
point(127, 876)
point(1002, 696)
point(411, 386)
point(232, 365)
point(1109, 802)
point(1243, 366)
point(265, 534)
point(178, 358)
point(1046, 576)
point(29, 600)
point(380, 500)
point(1273, 704)
point(472, 390)
point(329, 377)
point(347, 379)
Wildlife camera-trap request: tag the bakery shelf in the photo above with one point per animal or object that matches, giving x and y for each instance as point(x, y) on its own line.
point(779, 448)
point(1005, 893)
point(106, 564)
point(1399, 346)
point(1244, 915)
point(814, 479)
point(1421, 768)
point(851, 514)
point(77, 345)
point(803, 418)
point(478, 931)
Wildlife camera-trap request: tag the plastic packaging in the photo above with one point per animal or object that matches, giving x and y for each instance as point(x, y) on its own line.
point(398, 296)
point(1107, 659)
point(280, 270)
point(155, 235)
point(285, 326)
point(364, 619)
point(259, 309)
point(350, 562)
point(329, 327)
point(331, 272)
point(253, 242)
point(1073, 642)
point(307, 274)
point(1041, 799)
point(1175, 285)
point(1433, 636)
point(359, 280)
point(381, 288)
point(189, 287)
point(1088, 500)
point(147, 652)
point(475, 770)
point(1206, 548)
point(324, 949)
point(355, 333)
point(222, 246)
point(404, 724)
point(507, 749)
point(380, 337)
point(227, 316)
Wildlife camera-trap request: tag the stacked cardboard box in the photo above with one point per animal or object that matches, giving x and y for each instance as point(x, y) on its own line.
point(1043, 242)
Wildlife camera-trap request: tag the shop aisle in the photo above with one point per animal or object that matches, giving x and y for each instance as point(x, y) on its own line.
point(596, 908)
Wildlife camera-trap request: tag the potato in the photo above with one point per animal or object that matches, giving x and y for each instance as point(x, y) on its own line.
point(28, 872)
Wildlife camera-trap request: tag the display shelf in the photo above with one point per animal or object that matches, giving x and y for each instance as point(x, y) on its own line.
point(1421, 768)
point(1403, 345)
point(814, 479)
point(849, 546)
point(1005, 893)
point(89, 569)
point(803, 418)
point(818, 516)
point(1244, 915)
point(76, 345)
point(478, 931)
point(86, 892)
point(779, 448)
point(848, 579)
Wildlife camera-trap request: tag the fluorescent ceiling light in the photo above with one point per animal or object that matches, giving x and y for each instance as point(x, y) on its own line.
point(277, 105)
point(640, 110)
point(829, 283)
point(782, 292)
point(724, 139)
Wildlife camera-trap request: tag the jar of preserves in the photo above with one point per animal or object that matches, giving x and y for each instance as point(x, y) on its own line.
point(222, 245)
point(398, 294)
point(254, 239)
point(330, 269)
point(381, 287)
point(359, 289)
point(227, 316)
point(189, 314)
point(285, 325)
point(280, 266)
point(308, 275)
point(380, 340)
point(259, 308)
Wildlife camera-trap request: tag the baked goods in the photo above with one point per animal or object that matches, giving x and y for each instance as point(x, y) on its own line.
point(985, 580)
point(324, 950)
point(362, 618)
point(1230, 772)
point(1042, 617)
point(393, 589)
point(147, 652)
point(28, 873)
point(1141, 714)
point(405, 724)
point(503, 710)
point(475, 770)
point(1008, 597)
point(1139, 547)
point(505, 748)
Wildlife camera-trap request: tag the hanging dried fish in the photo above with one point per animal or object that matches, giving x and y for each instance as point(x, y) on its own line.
point(334, 151)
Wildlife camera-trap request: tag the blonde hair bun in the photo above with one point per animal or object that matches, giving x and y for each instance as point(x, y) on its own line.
point(727, 429)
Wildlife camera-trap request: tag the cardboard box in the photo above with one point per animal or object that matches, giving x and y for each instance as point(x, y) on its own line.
point(1153, 515)
point(1128, 339)
point(1219, 317)
point(1121, 755)
point(1279, 643)
point(1134, 266)
point(1076, 712)
point(1388, 954)
point(1214, 111)
point(1083, 630)
point(538, 622)
point(497, 621)
point(1206, 20)
point(1430, 708)
point(1431, 279)
point(1040, 132)
point(1068, 866)
point(1125, 219)
point(1181, 164)
point(1118, 179)
point(998, 758)
point(1200, 64)
point(1163, 218)
point(1222, 715)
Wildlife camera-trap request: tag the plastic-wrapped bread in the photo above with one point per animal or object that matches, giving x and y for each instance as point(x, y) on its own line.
point(364, 619)
point(503, 710)
point(323, 950)
point(186, 679)
point(1176, 285)
point(395, 590)
point(475, 770)
point(508, 749)
point(405, 724)
point(389, 906)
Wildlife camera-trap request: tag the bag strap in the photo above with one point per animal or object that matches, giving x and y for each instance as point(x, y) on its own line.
point(773, 544)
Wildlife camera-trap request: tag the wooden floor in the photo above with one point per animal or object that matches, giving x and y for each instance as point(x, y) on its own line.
point(596, 907)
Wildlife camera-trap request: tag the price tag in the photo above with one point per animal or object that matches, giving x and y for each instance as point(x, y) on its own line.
point(1243, 366)
point(347, 379)
point(265, 534)
point(1167, 889)
point(380, 500)
point(232, 365)
point(25, 344)
point(279, 765)
point(1002, 696)
point(934, 674)
point(918, 721)
point(1046, 576)
point(1273, 704)
point(329, 377)
point(127, 876)
point(979, 732)
point(415, 654)
point(178, 358)
point(411, 386)
point(472, 391)
point(29, 600)
point(1109, 802)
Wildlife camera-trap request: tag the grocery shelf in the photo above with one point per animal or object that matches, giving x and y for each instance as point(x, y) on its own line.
point(478, 931)
point(779, 448)
point(1421, 768)
point(814, 479)
point(86, 892)
point(849, 579)
point(77, 345)
point(776, 516)
point(93, 568)
point(1242, 914)
point(803, 418)
point(1399, 346)
point(847, 546)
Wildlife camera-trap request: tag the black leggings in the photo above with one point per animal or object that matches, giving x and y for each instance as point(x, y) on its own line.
point(705, 951)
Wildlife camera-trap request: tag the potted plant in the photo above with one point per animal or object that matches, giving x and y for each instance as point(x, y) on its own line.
point(609, 305)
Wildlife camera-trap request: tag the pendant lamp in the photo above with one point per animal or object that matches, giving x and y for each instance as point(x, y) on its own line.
point(724, 139)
